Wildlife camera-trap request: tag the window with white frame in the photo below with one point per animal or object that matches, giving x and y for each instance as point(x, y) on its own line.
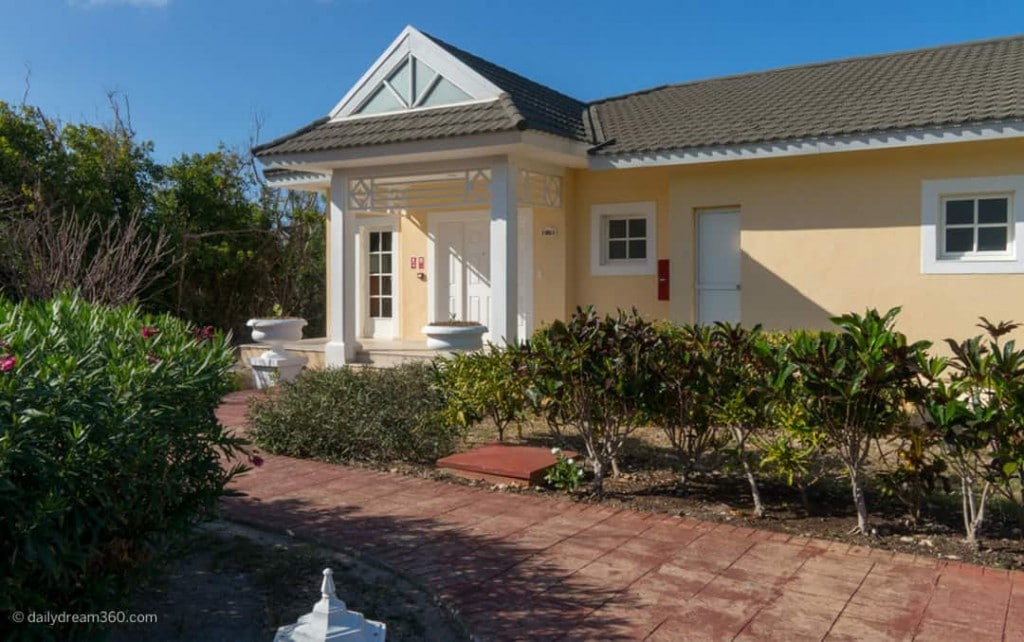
point(971, 225)
point(623, 238)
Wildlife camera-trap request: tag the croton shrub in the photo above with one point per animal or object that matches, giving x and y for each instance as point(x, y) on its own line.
point(108, 445)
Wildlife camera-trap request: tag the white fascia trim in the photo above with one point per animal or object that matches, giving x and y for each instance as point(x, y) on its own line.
point(598, 214)
point(523, 144)
point(307, 184)
point(808, 146)
point(932, 193)
point(412, 41)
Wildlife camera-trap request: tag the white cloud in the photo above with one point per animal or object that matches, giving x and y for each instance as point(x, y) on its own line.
point(141, 4)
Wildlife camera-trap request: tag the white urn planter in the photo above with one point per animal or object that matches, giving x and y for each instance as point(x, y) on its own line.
point(276, 364)
point(454, 336)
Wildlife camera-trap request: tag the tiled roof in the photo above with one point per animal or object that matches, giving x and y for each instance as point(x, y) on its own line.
point(969, 83)
point(399, 127)
point(541, 107)
point(943, 86)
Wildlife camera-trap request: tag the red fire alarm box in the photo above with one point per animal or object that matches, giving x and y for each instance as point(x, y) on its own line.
point(663, 280)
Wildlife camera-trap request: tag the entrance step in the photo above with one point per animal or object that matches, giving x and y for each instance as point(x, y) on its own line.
point(388, 358)
point(501, 464)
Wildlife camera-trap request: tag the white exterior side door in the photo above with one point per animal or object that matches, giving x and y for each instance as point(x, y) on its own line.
point(477, 272)
point(718, 267)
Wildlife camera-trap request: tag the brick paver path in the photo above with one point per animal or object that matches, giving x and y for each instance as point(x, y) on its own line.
point(527, 567)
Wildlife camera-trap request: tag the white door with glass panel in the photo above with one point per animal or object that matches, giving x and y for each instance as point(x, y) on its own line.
point(718, 266)
point(380, 290)
point(464, 271)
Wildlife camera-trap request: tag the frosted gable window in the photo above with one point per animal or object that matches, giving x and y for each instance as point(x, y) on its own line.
point(412, 84)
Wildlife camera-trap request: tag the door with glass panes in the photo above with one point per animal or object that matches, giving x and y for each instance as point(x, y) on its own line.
point(379, 297)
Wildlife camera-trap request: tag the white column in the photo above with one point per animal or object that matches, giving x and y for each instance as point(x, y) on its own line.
point(504, 251)
point(341, 334)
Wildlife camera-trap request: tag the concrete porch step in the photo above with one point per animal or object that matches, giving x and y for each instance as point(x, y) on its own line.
point(388, 358)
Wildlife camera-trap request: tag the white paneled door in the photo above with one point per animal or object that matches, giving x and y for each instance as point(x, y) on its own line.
point(718, 266)
point(464, 271)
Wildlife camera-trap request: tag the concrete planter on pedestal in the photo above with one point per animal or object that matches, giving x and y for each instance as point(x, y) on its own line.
point(276, 364)
point(450, 336)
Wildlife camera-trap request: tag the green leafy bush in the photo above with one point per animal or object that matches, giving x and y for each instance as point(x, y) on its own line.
point(484, 385)
point(681, 364)
point(598, 370)
point(108, 443)
point(366, 414)
point(566, 474)
point(859, 381)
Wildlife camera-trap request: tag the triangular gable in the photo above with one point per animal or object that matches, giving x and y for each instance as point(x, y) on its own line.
point(414, 73)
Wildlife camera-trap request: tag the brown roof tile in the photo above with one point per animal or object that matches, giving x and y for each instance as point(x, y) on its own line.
point(943, 86)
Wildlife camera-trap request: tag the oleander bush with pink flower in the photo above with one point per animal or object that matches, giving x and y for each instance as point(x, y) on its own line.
point(108, 446)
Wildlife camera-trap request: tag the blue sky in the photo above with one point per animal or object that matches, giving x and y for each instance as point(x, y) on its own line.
point(197, 71)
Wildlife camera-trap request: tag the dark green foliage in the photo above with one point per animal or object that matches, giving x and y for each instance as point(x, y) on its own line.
point(598, 371)
point(108, 443)
point(681, 364)
point(858, 381)
point(365, 414)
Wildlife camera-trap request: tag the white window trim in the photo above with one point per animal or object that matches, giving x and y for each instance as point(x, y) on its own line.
point(599, 214)
point(932, 195)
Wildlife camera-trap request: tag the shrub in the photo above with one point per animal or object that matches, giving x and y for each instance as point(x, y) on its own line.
point(108, 443)
point(598, 369)
point(978, 413)
point(484, 385)
point(858, 383)
point(566, 474)
point(746, 379)
point(365, 414)
point(681, 406)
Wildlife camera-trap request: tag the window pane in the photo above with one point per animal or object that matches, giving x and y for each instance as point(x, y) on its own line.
point(617, 250)
point(960, 240)
point(444, 93)
point(992, 239)
point(374, 241)
point(385, 282)
point(617, 229)
point(992, 210)
point(959, 212)
point(375, 264)
point(385, 308)
point(402, 82)
point(374, 285)
point(637, 228)
point(638, 249)
point(374, 307)
point(381, 101)
point(385, 241)
point(385, 263)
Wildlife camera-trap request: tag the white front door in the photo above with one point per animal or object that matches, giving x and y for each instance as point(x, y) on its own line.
point(464, 271)
point(718, 267)
point(379, 300)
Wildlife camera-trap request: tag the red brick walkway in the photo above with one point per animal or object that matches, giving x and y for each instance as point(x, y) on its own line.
point(522, 567)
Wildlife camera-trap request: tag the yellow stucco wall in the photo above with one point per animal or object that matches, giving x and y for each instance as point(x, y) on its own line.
point(820, 235)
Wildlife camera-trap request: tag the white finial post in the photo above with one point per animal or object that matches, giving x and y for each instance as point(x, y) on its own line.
point(331, 621)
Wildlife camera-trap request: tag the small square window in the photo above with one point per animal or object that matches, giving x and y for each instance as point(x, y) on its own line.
point(623, 238)
point(970, 225)
point(975, 227)
point(627, 239)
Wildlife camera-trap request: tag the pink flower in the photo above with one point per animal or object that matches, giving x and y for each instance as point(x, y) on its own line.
point(149, 331)
point(7, 362)
point(256, 460)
